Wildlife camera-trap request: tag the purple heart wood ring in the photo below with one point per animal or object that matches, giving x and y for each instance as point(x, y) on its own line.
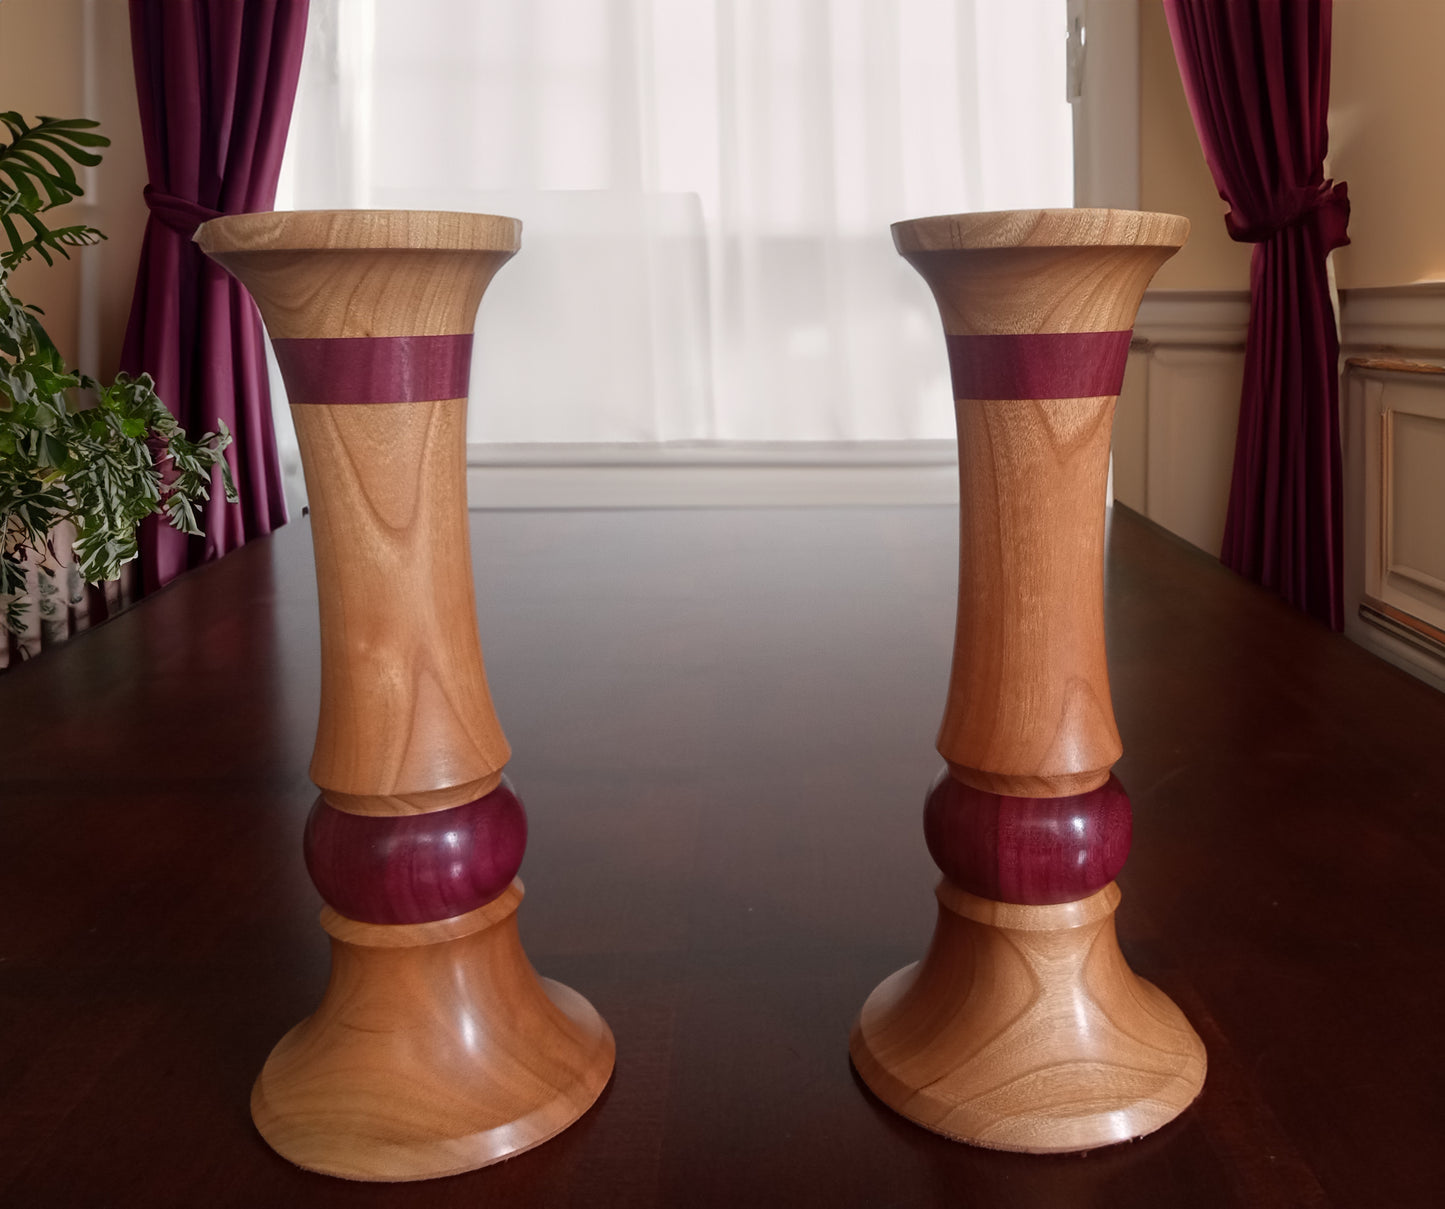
point(415, 868)
point(1027, 850)
point(374, 369)
point(1041, 365)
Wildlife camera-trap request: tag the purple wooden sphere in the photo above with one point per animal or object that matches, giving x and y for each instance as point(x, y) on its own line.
point(415, 868)
point(1027, 850)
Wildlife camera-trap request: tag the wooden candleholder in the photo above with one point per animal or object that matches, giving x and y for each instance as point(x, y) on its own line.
point(1023, 1028)
point(436, 1048)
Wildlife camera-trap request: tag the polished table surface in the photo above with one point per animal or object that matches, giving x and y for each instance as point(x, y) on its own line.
point(722, 724)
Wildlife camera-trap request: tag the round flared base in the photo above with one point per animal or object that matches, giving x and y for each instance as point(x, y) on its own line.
point(1024, 1029)
point(427, 1059)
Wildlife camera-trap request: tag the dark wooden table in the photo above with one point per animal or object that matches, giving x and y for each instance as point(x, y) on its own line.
point(723, 726)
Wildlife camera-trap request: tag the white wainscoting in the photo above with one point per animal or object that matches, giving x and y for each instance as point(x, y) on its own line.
point(1394, 453)
point(1178, 411)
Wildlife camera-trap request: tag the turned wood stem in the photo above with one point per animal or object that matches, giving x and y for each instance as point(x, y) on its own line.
point(407, 722)
point(1031, 298)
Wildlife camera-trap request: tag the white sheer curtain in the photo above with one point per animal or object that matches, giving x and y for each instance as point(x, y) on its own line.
point(705, 186)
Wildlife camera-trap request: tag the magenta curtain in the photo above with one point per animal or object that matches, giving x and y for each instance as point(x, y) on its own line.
point(216, 80)
point(1257, 75)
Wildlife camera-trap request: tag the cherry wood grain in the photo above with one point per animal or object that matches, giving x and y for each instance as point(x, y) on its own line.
point(1028, 710)
point(405, 707)
point(435, 1048)
point(1029, 229)
point(725, 859)
point(384, 272)
point(428, 1059)
point(407, 722)
point(1024, 1028)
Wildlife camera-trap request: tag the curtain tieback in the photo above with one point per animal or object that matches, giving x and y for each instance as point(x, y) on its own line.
point(180, 215)
point(1327, 204)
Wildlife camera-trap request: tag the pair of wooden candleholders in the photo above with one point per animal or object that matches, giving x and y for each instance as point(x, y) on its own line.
point(436, 1048)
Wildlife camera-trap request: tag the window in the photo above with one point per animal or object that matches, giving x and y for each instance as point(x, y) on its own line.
point(705, 186)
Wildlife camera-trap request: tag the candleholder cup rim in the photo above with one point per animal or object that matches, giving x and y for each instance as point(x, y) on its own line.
point(1060, 228)
point(360, 230)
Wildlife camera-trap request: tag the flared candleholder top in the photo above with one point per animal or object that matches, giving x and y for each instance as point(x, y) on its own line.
point(1037, 309)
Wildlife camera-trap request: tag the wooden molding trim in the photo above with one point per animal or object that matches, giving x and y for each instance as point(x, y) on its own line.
point(1400, 624)
point(1393, 365)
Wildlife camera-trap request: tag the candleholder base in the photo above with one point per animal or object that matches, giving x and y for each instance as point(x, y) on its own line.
point(435, 1050)
point(1024, 1029)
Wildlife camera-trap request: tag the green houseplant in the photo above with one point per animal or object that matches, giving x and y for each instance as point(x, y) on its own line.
point(103, 467)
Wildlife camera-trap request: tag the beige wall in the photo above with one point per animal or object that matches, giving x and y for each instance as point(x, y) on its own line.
point(1173, 176)
point(1387, 139)
point(43, 70)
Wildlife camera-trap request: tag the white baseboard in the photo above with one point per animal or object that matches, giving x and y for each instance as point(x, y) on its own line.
point(713, 475)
